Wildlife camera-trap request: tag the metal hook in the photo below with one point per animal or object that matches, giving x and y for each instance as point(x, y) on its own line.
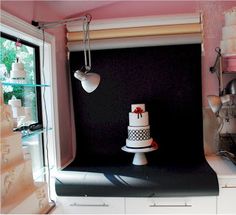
point(214, 68)
point(89, 17)
point(218, 51)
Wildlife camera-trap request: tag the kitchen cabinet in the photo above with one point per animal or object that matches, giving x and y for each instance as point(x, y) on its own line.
point(108, 205)
point(180, 205)
point(227, 197)
point(226, 173)
point(90, 205)
point(222, 204)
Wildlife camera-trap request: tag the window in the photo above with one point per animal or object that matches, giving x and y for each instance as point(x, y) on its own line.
point(30, 112)
point(28, 54)
point(12, 25)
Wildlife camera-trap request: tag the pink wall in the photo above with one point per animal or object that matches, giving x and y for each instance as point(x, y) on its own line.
point(213, 22)
point(29, 11)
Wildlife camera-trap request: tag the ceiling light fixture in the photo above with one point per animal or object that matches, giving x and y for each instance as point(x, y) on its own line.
point(89, 80)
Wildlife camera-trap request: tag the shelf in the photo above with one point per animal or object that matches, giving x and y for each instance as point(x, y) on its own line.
point(24, 85)
point(28, 134)
point(229, 72)
point(42, 172)
point(229, 55)
point(225, 106)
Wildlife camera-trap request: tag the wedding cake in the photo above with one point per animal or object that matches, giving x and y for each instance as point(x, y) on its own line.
point(138, 129)
point(17, 72)
point(228, 42)
point(22, 115)
point(19, 192)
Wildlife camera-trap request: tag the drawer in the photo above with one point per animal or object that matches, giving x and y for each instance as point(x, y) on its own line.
point(226, 183)
point(226, 199)
point(90, 205)
point(206, 205)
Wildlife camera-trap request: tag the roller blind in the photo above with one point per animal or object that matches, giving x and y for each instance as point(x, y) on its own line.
point(139, 31)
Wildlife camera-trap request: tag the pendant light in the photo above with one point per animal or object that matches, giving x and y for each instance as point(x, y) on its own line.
point(89, 80)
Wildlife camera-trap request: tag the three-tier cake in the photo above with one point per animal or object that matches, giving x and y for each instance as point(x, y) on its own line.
point(138, 129)
point(139, 140)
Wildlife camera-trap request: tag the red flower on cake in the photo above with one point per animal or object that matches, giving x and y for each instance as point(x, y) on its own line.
point(154, 144)
point(138, 111)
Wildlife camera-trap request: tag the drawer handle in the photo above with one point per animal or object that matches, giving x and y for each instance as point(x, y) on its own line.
point(89, 205)
point(180, 206)
point(226, 186)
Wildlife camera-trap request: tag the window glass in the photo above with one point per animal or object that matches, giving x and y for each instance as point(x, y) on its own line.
point(15, 51)
point(22, 94)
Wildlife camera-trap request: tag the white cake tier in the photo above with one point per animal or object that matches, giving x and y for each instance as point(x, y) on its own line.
point(229, 63)
point(6, 120)
point(33, 200)
point(134, 106)
point(11, 150)
point(17, 66)
point(228, 46)
point(17, 74)
point(229, 32)
point(14, 102)
point(15, 179)
point(18, 111)
point(139, 133)
point(138, 144)
point(230, 17)
point(138, 119)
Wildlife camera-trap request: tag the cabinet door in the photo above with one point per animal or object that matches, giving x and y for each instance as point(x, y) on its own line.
point(189, 205)
point(227, 197)
point(89, 205)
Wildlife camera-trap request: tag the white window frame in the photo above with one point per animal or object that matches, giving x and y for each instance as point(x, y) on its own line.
point(14, 26)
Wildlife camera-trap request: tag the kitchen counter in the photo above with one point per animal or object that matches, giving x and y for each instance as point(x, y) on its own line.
point(223, 167)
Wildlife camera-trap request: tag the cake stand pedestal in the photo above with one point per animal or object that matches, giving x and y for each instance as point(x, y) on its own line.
point(140, 157)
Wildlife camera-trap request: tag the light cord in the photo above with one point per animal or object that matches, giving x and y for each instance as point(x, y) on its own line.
point(86, 44)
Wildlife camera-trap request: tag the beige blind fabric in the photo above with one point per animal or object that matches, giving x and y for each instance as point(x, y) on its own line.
point(138, 32)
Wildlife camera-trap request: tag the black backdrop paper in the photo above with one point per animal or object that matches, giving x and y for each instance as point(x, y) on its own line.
point(167, 79)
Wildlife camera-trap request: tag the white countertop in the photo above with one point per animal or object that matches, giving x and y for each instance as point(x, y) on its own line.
point(223, 167)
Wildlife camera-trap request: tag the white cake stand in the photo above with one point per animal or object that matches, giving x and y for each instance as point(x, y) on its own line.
point(140, 157)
